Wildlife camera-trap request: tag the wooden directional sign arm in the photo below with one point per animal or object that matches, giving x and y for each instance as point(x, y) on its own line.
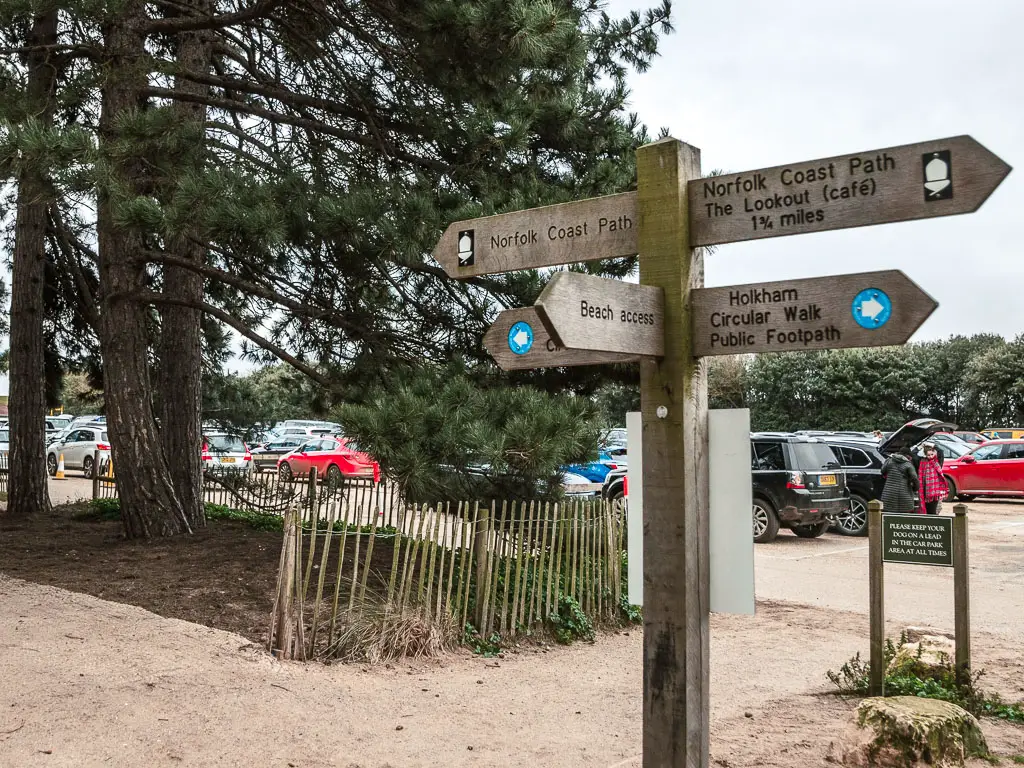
point(870, 309)
point(915, 181)
point(595, 313)
point(520, 339)
point(583, 230)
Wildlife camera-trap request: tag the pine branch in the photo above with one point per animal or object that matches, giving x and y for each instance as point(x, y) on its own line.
point(151, 297)
point(178, 24)
point(317, 126)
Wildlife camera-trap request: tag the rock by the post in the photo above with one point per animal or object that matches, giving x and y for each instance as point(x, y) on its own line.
point(911, 732)
point(932, 656)
point(913, 634)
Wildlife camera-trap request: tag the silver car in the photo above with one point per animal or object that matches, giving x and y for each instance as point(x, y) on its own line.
point(79, 448)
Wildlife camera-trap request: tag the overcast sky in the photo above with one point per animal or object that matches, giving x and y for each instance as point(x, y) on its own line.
point(755, 84)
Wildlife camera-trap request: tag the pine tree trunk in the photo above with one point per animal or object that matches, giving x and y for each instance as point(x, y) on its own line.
point(181, 353)
point(28, 491)
point(149, 505)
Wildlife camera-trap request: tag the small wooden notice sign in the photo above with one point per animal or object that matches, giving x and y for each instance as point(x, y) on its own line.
point(519, 339)
point(602, 315)
point(916, 181)
point(917, 539)
point(584, 230)
point(871, 309)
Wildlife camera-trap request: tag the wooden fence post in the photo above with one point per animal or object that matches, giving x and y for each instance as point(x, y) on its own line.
point(961, 593)
point(876, 586)
point(674, 403)
point(285, 618)
point(96, 474)
point(482, 532)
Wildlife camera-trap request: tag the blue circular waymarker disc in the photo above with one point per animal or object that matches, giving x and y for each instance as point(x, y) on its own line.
point(520, 338)
point(871, 308)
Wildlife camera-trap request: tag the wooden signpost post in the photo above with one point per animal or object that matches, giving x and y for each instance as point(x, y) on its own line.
point(872, 309)
point(670, 321)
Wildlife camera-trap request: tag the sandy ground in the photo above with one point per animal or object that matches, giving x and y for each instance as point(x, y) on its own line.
point(92, 683)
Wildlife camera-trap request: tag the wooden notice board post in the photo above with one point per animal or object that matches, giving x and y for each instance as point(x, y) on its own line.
point(876, 586)
point(674, 407)
point(961, 593)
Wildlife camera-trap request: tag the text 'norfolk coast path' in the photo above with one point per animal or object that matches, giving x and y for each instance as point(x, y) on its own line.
point(585, 230)
point(916, 181)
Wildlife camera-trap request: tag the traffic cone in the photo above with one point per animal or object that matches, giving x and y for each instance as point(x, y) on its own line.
point(60, 468)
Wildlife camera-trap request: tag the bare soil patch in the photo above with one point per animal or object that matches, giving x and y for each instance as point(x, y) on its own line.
point(223, 576)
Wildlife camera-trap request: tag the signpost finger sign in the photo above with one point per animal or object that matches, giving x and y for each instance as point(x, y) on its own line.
point(871, 309)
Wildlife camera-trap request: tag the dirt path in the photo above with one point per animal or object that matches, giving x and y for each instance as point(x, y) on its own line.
point(93, 683)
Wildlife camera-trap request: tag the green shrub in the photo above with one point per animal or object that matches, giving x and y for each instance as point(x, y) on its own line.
point(569, 622)
point(854, 677)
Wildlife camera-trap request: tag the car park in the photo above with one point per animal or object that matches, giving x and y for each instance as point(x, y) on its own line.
point(78, 447)
point(798, 483)
point(333, 458)
point(225, 452)
point(995, 468)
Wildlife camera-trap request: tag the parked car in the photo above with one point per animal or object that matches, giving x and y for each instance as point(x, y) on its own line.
point(995, 468)
point(79, 446)
point(615, 436)
point(614, 487)
point(862, 462)
point(1003, 433)
point(594, 471)
point(306, 427)
point(265, 456)
point(332, 457)
point(224, 451)
point(797, 483)
point(950, 445)
point(5, 437)
point(975, 438)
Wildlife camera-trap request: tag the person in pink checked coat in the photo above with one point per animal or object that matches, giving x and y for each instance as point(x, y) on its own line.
point(932, 485)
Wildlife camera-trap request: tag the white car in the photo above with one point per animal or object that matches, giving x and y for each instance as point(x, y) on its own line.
point(222, 450)
point(5, 437)
point(79, 448)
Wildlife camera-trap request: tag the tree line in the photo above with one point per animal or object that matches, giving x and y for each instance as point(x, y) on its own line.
point(974, 382)
point(182, 172)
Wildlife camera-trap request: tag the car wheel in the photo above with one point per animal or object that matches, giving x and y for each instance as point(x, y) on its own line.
point(334, 477)
point(954, 494)
point(285, 472)
point(853, 522)
point(812, 531)
point(87, 466)
point(51, 465)
point(766, 522)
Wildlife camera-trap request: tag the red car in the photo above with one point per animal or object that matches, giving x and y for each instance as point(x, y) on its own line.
point(995, 468)
point(332, 458)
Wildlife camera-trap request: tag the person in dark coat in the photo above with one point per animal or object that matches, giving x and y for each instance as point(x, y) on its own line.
point(900, 484)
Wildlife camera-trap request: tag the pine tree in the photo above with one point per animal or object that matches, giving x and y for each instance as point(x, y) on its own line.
point(301, 159)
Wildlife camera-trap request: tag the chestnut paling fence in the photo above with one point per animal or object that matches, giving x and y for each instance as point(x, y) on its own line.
point(269, 493)
point(356, 547)
point(505, 568)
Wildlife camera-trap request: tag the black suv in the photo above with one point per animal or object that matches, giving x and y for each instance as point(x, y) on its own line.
point(862, 462)
point(863, 459)
point(798, 483)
